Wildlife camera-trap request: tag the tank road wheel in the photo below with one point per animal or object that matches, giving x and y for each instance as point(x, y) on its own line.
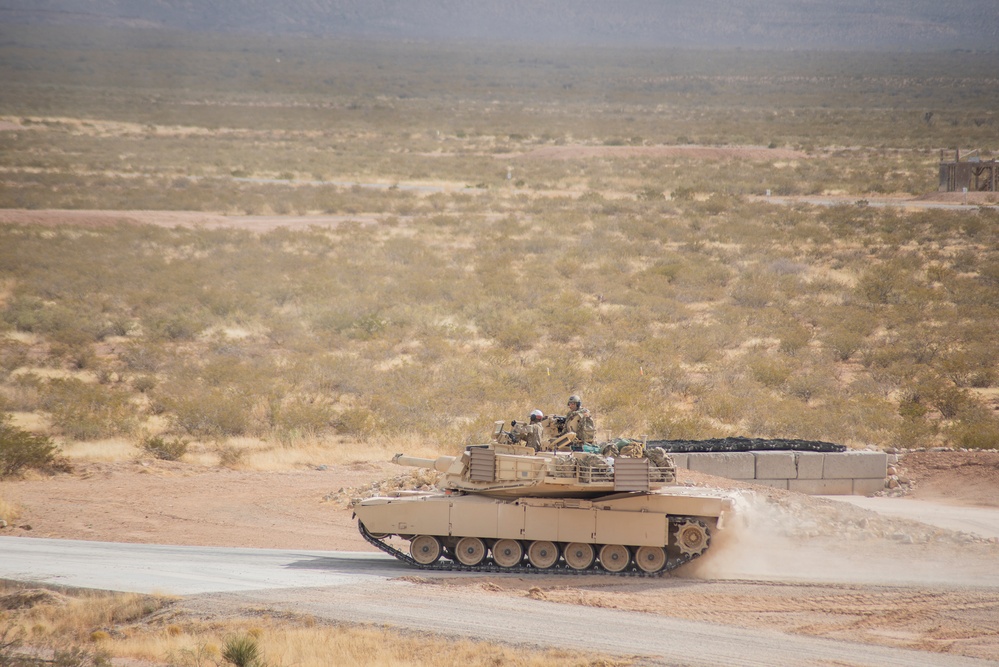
point(542, 554)
point(579, 555)
point(650, 559)
point(470, 551)
point(425, 549)
point(377, 536)
point(614, 557)
point(508, 553)
point(692, 537)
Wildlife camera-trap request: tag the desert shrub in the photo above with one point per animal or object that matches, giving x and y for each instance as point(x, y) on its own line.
point(754, 290)
point(300, 415)
point(142, 357)
point(22, 393)
point(843, 343)
point(517, 333)
point(86, 411)
point(674, 424)
point(74, 346)
point(771, 372)
point(977, 428)
point(793, 336)
point(649, 193)
point(165, 449)
point(944, 396)
point(13, 355)
point(20, 449)
point(210, 412)
point(913, 433)
point(972, 366)
point(566, 317)
point(179, 327)
point(242, 651)
point(144, 383)
point(358, 422)
point(34, 314)
point(845, 329)
point(682, 194)
point(230, 456)
point(884, 283)
point(807, 383)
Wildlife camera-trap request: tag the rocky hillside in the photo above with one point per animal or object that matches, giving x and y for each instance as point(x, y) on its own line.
point(824, 24)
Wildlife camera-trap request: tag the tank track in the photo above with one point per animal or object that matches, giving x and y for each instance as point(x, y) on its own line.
point(672, 562)
point(740, 444)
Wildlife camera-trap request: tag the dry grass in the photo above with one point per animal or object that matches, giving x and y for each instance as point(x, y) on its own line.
point(298, 452)
point(9, 512)
point(109, 450)
point(158, 630)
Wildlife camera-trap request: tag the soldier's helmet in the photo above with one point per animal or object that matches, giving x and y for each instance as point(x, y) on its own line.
point(575, 399)
point(537, 415)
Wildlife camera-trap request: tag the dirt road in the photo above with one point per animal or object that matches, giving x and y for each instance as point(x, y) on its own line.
point(373, 588)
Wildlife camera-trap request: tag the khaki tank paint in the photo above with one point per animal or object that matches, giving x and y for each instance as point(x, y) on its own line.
point(505, 506)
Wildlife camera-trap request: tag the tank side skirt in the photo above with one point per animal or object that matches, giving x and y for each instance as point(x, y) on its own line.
point(673, 561)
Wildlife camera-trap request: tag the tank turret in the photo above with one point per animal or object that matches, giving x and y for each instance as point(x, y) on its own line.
point(506, 507)
point(510, 471)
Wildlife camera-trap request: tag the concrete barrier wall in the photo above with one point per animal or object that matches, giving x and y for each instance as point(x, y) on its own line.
point(814, 473)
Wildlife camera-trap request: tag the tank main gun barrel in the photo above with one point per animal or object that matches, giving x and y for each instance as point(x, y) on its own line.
point(440, 464)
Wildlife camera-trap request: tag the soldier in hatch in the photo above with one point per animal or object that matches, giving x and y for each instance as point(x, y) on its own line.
point(579, 421)
point(531, 433)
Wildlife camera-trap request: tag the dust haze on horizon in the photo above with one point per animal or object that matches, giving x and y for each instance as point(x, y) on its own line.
point(876, 25)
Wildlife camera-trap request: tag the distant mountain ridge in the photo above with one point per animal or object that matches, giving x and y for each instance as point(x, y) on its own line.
point(771, 24)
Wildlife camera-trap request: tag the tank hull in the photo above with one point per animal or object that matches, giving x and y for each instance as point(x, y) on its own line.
point(665, 528)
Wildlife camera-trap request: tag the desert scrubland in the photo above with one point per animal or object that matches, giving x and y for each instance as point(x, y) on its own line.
point(266, 255)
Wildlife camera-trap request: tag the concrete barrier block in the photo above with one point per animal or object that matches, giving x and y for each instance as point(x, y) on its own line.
point(775, 465)
point(868, 487)
point(822, 487)
point(734, 465)
point(775, 483)
point(679, 460)
point(809, 464)
point(855, 465)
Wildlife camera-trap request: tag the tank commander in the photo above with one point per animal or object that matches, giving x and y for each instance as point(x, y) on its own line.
point(579, 421)
point(532, 433)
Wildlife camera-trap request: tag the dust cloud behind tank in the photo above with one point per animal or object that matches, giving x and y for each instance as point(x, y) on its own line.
point(506, 508)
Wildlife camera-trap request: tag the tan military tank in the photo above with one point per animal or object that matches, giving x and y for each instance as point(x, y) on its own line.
point(504, 507)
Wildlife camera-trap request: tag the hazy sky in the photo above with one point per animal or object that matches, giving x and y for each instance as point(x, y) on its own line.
point(846, 24)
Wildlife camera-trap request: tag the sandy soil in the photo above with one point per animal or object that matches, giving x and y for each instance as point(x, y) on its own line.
point(792, 563)
point(692, 152)
point(170, 219)
point(959, 478)
point(177, 503)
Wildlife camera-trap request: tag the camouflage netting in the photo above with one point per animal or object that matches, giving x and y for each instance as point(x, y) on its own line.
point(740, 444)
point(593, 462)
